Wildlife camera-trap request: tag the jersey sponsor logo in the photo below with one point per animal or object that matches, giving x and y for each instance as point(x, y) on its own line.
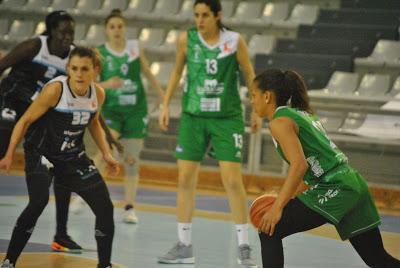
point(72, 133)
point(328, 195)
point(87, 172)
point(196, 55)
point(8, 114)
point(210, 87)
point(315, 166)
point(67, 144)
point(124, 69)
point(227, 48)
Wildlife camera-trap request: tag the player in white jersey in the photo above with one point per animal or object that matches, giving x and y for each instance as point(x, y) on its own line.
point(34, 62)
point(64, 109)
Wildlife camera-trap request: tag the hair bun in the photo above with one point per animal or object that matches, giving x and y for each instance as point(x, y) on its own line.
point(116, 11)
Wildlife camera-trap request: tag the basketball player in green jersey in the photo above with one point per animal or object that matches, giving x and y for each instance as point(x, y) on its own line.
point(211, 115)
point(338, 194)
point(125, 106)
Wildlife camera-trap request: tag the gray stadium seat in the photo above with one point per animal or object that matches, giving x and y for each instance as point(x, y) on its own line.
point(353, 121)
point(136, 7)
point(395, 88)
point(301, 14)
point(132, 32)
point(37, 4)
point(4, 26)
point(385, 51)
point(151, 37)
point(228, 8)
point(264, 44)
point(40, 28)
point(20, 30)
point(186, 11)
point(95, 35)
point(162, 71)
point(109, 5)
point(342, 83)
point(244, 12)
point(274, 12)
point(62, 5)
point(80, 31)
point(87, 6)
point(332, 121)
point(374, 85)
point(165, 8)
point(5, 4)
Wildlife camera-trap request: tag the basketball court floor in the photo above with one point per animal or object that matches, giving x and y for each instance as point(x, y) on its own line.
point(214, 238)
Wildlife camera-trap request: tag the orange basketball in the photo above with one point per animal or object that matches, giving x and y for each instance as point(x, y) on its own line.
point(259, 207)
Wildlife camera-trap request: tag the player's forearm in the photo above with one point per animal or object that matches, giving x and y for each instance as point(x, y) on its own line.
point(99, 137)
point(172, 85)
point(18, 133)
point(295, 175)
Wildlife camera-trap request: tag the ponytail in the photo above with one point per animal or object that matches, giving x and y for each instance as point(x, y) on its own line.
point(299, 98)
point(289, 88)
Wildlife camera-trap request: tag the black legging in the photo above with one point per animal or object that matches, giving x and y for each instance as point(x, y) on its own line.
point(95, 194)
point(296, 217)
point(36, 169)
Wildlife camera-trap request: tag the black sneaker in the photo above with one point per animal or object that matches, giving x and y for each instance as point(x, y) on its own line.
point(65, 244)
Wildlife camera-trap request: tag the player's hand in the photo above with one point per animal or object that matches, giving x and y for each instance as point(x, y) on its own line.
point(163, 119)
point(5, 163)
point(270, 220)
point(113, 82)
point(255, 122)
point(112, 164)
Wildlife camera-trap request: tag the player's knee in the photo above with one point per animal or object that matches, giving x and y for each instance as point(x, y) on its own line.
point(131, 166)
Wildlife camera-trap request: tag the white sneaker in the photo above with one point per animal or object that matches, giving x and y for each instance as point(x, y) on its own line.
point(77, 205)
point(130, 216)
point(6, 264)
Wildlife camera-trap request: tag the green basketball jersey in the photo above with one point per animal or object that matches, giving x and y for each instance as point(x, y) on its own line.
point(212, 80)
point(125, 65)
point(321, 153)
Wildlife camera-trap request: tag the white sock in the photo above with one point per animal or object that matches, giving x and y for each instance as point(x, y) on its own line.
point(242, 231)
point(185, 233)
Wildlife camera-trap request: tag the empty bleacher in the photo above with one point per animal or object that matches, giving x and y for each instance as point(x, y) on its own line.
point(347, 50)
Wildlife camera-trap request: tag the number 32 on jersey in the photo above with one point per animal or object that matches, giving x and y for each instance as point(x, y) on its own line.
point(80, 118)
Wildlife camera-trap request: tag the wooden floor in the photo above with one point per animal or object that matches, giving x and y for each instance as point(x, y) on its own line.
point(54, 260)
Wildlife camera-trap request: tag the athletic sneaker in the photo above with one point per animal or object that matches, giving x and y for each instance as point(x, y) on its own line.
point(65, 244)
point(130, 216)
point(77, 205)
point(6, 264)
point(244, 256)
point(180, 253)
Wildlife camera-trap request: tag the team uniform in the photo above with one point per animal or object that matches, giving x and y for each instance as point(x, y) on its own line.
point(211, 105)
point(25, 81)
point(59, 137)
point(17, 91)
point(125, 108)
point(337, 192)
